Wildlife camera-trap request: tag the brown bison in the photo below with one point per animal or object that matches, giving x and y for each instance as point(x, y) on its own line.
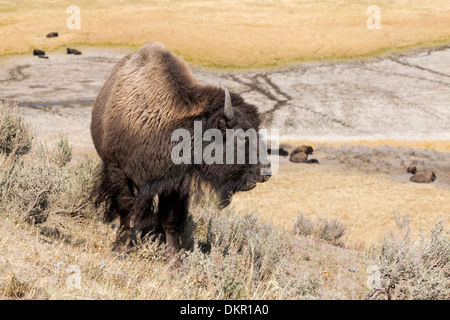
point(148, 95)
point(73, 51)
point(37, 52)
point(52, 35)
point(425, 177)
point(300, 155)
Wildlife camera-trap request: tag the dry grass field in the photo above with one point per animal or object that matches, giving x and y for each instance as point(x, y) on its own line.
point(230, 34)
point(363, 183)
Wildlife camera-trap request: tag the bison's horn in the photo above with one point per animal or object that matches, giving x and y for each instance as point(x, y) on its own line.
point(228, 107)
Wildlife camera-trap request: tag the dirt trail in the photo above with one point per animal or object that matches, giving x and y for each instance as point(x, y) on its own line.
point(401, 97)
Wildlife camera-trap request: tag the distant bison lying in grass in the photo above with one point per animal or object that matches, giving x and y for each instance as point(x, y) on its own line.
point(73, 51)
point(426, 177)
point(37, 52)
point(52, 35)
point(300, 155)
point(423, 177)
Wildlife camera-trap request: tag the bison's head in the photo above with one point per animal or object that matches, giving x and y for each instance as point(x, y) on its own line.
point(411, 169)
point(243, 151)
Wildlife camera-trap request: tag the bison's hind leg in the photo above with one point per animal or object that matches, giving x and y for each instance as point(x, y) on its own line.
point(112, 191)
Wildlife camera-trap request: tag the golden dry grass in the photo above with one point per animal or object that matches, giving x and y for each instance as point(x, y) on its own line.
point(235, 33)
point(33, 265)
point(365, 202)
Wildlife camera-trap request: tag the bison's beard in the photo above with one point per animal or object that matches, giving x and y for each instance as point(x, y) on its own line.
point(218, 193)
point(228, 190)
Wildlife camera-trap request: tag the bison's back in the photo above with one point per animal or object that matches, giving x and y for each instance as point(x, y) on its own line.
point(100, 105)
point(146, 97)
point(426, 177)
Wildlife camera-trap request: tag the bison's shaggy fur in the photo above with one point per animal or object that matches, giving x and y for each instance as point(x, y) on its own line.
point(148, 95)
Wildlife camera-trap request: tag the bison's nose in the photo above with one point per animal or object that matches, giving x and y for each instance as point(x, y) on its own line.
point(265, 178)
point(265, 174)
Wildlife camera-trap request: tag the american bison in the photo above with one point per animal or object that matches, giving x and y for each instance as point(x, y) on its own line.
point(52, 35)
point(148, 95)
point(424, 177)
point(300, 155)
point(73, 51)
point(37, 52)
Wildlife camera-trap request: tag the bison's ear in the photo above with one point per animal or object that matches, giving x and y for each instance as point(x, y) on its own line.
point(222, 125)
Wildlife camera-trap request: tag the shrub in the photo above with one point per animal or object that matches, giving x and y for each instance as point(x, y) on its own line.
point(266, 244)
point(33, 188)
point(15, 134)
point(303, 225)
point(63, 152)
point(29, 188)
point(329, 230)
point(414, 269)
point(79, 179)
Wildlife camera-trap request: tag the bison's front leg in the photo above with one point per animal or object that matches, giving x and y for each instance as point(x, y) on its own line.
point(123, 236)
point(173, 209)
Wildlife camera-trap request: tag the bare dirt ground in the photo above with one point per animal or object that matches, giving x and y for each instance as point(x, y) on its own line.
point(400, 97)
